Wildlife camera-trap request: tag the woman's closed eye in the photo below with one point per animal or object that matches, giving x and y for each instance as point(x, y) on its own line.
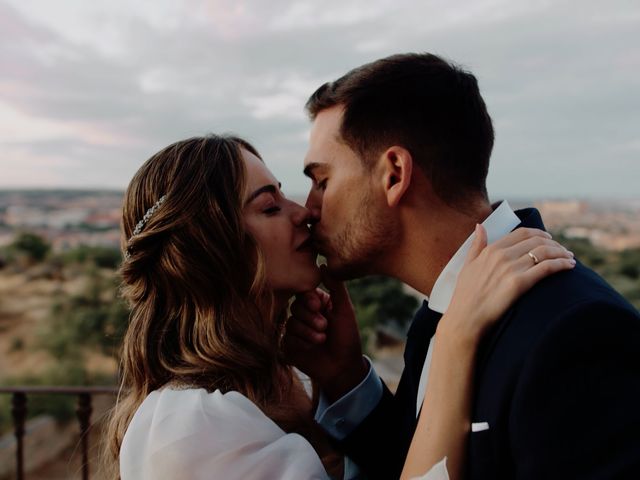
point(271, 210)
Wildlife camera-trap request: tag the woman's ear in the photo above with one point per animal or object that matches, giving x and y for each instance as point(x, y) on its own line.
point(398, 166)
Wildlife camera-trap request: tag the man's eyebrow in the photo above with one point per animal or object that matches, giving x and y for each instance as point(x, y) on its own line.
point(310, 168)
point(265, 189)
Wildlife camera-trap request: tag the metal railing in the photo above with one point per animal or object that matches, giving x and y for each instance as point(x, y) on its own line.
point(83, 411)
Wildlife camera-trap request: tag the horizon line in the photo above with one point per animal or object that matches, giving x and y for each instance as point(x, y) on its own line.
point(559, 196)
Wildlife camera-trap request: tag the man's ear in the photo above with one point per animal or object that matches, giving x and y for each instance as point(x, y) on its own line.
point(398, 166)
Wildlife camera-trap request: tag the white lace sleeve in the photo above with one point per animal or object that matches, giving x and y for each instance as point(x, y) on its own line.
point(192, 434)
point(437, 472)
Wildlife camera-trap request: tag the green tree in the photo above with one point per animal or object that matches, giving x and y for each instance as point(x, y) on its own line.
point(33, 246)
point(96, 318)
point(103, 257)
point(584, 250)
point(629, 264)
point(380, 301)
point(620, 269)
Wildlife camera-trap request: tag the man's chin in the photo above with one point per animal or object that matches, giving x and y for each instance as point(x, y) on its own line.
point(343, 270)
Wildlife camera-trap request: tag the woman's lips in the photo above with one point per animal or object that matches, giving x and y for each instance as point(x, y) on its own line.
point(306, 246)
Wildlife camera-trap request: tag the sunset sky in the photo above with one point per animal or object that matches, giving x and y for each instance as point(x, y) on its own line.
point(90, 89)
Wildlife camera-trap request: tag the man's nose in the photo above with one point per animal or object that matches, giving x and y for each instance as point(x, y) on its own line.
point(313, 204)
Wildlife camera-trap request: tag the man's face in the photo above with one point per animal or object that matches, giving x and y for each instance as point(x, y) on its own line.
point(349, 227)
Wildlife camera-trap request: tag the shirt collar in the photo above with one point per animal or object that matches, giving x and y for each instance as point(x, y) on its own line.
point(497, 225)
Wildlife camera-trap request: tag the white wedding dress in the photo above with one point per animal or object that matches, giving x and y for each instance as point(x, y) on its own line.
point(195, 435)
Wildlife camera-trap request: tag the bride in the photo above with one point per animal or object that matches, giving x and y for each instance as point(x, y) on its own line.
point(214, 252)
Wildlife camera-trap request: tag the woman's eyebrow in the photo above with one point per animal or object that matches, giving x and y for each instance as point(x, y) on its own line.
point(265, 189)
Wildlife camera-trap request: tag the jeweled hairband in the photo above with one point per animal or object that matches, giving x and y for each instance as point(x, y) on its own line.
point(140, 225)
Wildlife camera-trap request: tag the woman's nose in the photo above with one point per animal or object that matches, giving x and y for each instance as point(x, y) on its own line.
point(300, 215)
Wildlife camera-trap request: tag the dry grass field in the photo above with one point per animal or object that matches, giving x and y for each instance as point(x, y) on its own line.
point(26, 301)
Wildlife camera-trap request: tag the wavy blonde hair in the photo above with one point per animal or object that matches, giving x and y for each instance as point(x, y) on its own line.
point(201, 311)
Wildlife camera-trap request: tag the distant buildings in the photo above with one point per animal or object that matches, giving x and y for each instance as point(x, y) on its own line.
point(66, 218)
point(71, 218)
point(610, 225)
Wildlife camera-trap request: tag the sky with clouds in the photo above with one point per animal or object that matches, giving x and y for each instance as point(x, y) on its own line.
point(90, 89)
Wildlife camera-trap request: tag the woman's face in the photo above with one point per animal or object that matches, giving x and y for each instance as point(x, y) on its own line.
point(280, 228)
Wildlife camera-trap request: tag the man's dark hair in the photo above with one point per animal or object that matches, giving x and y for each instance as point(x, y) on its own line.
point(424, 104)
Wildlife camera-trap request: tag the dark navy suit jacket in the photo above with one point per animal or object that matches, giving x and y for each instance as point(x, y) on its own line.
point(557, 380)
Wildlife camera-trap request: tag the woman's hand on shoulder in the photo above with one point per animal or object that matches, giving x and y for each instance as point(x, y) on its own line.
point(494, 276)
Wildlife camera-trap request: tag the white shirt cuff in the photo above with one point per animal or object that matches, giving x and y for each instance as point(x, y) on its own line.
point(343, 416)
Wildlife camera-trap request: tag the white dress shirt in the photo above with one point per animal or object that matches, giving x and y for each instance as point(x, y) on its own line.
point(497, 225)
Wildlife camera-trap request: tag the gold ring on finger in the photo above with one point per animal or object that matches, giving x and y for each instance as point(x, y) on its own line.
point(534, 258)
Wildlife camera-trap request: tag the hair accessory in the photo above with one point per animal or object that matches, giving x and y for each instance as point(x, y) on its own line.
point(140, 225)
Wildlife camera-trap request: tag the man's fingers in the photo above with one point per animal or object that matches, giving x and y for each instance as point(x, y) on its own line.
point(293, 347)
point(305, 332)
point(337, 288)
point(313, 299)
point(307, 307)
point(300, 313)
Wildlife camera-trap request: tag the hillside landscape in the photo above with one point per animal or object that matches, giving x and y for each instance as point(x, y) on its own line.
point(62, 319)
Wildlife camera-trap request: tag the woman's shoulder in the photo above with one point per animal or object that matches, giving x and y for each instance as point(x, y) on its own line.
point(173, 404)
point(177, 430)
point(171, 414)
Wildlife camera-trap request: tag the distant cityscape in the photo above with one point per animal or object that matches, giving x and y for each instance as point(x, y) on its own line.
point(69, 218)
point(66, 218)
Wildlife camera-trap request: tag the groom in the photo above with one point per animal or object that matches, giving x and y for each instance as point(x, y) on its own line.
point(398, 156)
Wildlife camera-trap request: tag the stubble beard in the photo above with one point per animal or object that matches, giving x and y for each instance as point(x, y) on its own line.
point(365, 238)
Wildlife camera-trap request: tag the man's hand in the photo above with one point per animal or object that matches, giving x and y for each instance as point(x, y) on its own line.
point(323, 341)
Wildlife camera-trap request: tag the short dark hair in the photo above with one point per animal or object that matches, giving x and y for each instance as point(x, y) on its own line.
point(424, 103)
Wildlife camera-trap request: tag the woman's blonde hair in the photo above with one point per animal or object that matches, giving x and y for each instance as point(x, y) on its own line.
point(201, 312)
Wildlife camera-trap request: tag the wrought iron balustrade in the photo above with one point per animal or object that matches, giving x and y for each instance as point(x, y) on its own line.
point(19, 408)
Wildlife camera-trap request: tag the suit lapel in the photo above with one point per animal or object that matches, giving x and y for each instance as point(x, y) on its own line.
point(529, 218)
point(422, 329)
